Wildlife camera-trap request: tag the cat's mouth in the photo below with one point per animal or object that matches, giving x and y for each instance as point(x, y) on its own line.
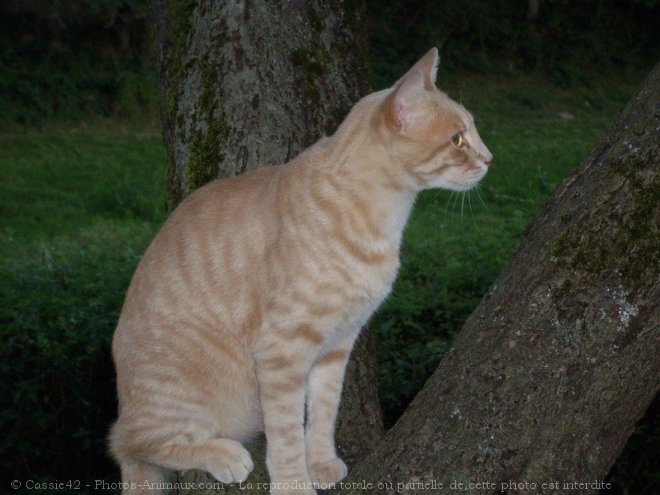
point(469, 183)
point(462, 187)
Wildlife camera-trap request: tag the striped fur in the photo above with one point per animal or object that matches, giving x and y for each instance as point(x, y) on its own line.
point(246, 305)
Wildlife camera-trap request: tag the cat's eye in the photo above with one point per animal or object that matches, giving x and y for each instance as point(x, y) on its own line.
point(457, 140)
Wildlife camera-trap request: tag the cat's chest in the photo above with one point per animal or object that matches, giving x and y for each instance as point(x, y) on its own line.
point(368, 286)
point(368, 290)
point(375, 281)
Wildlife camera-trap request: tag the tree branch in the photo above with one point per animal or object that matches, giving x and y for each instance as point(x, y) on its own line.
point(551, 372)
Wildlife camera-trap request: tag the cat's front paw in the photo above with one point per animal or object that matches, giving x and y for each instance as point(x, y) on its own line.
point(327, 472)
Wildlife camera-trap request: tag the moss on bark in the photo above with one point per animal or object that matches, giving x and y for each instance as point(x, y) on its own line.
point(175, 19)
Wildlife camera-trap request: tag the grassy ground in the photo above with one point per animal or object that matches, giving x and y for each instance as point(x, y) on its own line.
point(58, 181)
point(80, 204)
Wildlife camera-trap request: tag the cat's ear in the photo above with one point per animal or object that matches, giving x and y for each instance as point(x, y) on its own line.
point(428, 66)
point(404, 103)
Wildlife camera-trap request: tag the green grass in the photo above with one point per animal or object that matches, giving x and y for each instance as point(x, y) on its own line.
point(81, 202)
point(59, 181)
point(79, 206)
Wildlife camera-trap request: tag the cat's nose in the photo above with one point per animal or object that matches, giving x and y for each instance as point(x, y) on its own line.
point(488, 160)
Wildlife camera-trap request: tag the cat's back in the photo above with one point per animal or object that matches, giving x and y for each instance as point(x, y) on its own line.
point(221, 199)
point(204, 245)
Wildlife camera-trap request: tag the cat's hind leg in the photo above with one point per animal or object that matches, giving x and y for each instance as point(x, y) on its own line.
point(226, 460)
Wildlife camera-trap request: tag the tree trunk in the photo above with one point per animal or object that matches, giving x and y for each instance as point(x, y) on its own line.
point(251, 83)
point(551, 372)
point(245, 84)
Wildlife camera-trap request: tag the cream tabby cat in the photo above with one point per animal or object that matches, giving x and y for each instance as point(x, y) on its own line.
point(246, 305)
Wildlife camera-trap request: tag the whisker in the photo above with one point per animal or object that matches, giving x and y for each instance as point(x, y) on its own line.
point(481, 198)
point(435, 196)
point(448, 201)
point(462, 205)
point(453, 208)
point(470, 205)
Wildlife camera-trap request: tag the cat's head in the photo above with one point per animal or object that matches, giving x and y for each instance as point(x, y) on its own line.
point(432, 137)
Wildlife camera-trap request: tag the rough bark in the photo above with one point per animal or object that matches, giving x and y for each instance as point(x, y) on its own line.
point(551, 372)
point(251, 83)
point(245, 84)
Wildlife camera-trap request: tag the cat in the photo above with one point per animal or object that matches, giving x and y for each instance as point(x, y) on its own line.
point(245, 307)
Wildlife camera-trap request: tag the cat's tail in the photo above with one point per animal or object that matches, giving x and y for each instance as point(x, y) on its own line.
point(137, 477)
